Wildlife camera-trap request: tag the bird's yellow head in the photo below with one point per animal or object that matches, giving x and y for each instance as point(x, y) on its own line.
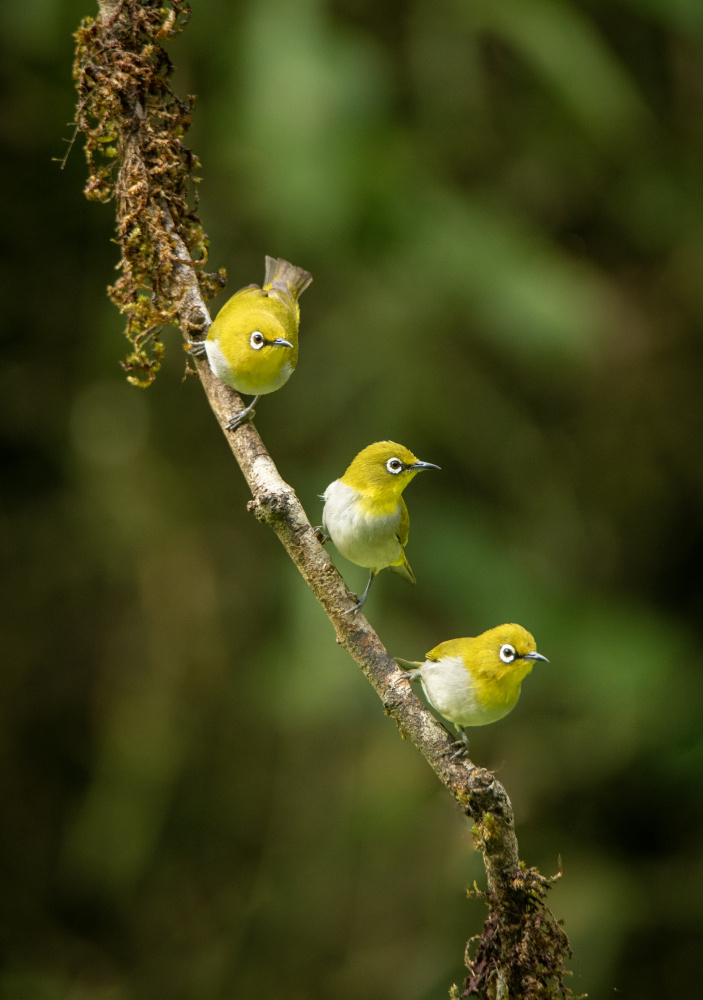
point(258, 337)
point(497, 660)
point(383, 470)
point(253, 343)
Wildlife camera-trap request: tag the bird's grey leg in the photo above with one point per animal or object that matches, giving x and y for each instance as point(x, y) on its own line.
point(243, 417)
point(362, 600)
point(409, 675)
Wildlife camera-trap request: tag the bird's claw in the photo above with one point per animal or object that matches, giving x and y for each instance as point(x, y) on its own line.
point(245, 417)
point(321, 535)
point(360, 602)
point(411, 675)
point(196, 348)
point(460, 748)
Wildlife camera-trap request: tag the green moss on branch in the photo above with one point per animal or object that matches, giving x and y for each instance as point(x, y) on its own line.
point(134, 126)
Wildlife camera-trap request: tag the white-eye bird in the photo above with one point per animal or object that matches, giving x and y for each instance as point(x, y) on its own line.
point(365, 514)
point(472, 682)
point(253, 343)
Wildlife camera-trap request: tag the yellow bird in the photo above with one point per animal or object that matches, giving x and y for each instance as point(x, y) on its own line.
point(365, 514)
point(253, 343)
point(473, 682)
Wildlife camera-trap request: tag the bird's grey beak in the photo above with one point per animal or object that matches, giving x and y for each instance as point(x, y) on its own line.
point(534, 656)
point(280, 342)
point(417, 466)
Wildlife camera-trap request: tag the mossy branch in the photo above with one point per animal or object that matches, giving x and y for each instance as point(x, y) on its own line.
point(134, 126)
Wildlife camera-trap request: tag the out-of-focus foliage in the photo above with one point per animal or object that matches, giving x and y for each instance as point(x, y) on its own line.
point(502, 208)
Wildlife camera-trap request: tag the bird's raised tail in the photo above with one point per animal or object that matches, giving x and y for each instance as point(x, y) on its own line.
point(284, 277)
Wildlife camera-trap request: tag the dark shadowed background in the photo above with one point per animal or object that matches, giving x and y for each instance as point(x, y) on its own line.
point(502, 207)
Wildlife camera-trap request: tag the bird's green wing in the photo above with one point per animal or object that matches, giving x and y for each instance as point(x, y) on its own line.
point(402, 566)
point(404, 526)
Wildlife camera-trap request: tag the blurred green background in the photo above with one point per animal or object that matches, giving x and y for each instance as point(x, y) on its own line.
point(502, 207)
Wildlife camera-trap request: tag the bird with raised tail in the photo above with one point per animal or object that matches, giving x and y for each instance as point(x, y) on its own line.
point(252, 345)
point(365, 514)
point(476, 681)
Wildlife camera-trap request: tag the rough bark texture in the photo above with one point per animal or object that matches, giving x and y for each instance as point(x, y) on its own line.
point(122, 95)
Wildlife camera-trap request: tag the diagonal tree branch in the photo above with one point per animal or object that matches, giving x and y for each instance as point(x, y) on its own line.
point(276, 504)
point(125, 101)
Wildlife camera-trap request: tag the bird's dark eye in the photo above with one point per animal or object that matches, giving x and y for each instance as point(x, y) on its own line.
point(394, 466)
point(507, 653)
point(257, 340)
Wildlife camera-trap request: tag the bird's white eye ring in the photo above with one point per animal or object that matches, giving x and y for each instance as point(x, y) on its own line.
point(394, 466)
point(507, 653)
point(257, 340)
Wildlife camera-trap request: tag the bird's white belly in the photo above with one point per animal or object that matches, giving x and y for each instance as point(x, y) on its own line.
point(219, 364)
point(241, 382)
point(363, 538)
point(449, 688)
